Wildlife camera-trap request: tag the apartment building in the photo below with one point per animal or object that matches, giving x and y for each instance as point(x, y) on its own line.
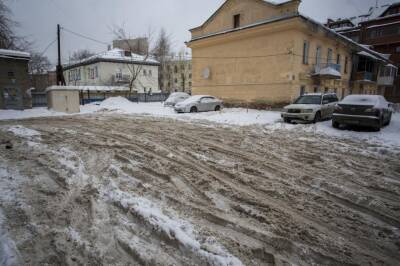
point(259, 51)
point(176, 75)
point(379, 28)
point(115, 68)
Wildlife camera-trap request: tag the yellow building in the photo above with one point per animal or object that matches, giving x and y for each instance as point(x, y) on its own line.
point(257, 51)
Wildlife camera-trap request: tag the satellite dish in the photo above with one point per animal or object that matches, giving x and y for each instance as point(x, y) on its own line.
point(206, 73)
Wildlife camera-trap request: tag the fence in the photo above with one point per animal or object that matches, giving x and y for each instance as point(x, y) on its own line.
point(39, 99)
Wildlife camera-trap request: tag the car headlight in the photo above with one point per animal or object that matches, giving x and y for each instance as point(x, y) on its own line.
point(307, 111)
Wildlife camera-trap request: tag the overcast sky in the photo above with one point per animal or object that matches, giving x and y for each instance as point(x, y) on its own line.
point(96, 18)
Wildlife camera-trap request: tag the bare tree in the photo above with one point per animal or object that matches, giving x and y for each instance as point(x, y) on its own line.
point(162, 52)
point(134, 67)
point(81, 54)
point(8, 38)
point(39, 64)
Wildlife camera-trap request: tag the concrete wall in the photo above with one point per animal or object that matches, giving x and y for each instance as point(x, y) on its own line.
point(106, 71)
point(14, 75)
point(66, 101)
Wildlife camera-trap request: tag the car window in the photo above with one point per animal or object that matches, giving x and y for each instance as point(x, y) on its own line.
point(207, 99)
point(334, 99)
point(326, 99)
point(309, 99)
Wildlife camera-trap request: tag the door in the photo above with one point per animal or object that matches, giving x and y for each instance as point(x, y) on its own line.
point(325, 106)
point(12, 98)
point(205, 104)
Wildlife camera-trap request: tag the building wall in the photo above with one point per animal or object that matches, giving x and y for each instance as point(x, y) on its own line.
point(264, 63)
point(14, 74)
point(66, 101)
point(106, 71)
point(250, 11)
point(42, 81)
point(176, 75)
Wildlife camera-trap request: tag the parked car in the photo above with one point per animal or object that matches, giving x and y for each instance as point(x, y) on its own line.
point(175, 98)
point(199, 103)
point(312, 107)
point(363, 110)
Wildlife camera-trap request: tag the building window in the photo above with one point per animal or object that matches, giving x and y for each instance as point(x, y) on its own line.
point(10, 74)
point(190, 84)
point(236, 21)
point(326, 89)
point(338, 59)
point(176, 80)
point(318, 56)
point(302, 90)
point(330, 55)
point(345, 64)
point(176, 69)
point(144, 72)
point(96, 72)
point(150, 73)
point(190, 75)
point(315, 89)
point(306, 46)
point(398, 49)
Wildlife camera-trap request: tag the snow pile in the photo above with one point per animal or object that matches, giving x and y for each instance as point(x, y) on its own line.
point(116, 103)
point(175, 229)
point(23, 132)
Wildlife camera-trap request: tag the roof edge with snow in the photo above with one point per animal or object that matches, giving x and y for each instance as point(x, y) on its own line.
point(13, 54)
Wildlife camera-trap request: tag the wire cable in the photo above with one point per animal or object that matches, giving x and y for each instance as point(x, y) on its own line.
point(47, 47)
point(83, 36)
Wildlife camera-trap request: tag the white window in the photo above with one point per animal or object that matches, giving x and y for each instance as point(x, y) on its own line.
point(306, 46)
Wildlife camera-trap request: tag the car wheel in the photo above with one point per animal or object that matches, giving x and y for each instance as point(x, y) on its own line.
point(217, 108)
point(335, 124)
point(317, 117)
point(287, 120)
point(389, 119)
point(193, 109)
point(379, 126)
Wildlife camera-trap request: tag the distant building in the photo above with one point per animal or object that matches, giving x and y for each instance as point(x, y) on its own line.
point(253, 51)
point(137, 46)
point(176, 75)
point(380, 29)
point(41, 81)
point(14, 80)
point(115, 68)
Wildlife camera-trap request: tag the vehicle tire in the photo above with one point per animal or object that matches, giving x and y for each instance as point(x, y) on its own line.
point(335, 124)
point(317, 117)
point(378, 128)
point(287, 120)
point(389, 120)
point(193, 109)
point(217, 108)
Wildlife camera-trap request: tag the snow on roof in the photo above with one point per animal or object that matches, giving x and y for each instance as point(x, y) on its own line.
point(329, 71)
point(370, 100)
point(14, 53)
point(373, 13)
point(117, 55)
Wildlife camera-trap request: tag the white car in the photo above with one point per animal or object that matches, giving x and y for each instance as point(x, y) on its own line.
point(175, 98)
point(311, 107)
point(199, 103)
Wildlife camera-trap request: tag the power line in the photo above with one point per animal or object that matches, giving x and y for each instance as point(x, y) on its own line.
point(83, 36)
point(47, 47)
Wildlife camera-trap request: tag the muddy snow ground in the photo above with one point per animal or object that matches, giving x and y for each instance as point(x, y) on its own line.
point(120, 189)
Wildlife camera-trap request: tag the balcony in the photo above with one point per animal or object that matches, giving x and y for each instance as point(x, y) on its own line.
point(365, 77)
point(387, 75)
point(327, 71)
point(121, 78)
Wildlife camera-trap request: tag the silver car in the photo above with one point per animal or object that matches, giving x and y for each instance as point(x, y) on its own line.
point(175, 98)
point(199, 103)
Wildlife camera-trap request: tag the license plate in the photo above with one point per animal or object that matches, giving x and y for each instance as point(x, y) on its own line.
point(352, 122)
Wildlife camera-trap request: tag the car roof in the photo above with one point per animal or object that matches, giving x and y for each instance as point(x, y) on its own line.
point(319, 94)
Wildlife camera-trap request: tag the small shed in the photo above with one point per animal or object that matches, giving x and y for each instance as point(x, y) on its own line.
point(63, 99)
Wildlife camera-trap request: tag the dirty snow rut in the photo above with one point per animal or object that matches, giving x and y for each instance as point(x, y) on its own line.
point(120, 190)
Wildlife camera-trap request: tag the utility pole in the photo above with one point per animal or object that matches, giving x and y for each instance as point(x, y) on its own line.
point(59, 69)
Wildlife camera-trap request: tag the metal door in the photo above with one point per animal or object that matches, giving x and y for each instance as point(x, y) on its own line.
point(12, 98)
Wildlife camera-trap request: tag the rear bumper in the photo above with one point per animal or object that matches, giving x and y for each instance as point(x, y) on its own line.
point(299, 116)
point(359, 120)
